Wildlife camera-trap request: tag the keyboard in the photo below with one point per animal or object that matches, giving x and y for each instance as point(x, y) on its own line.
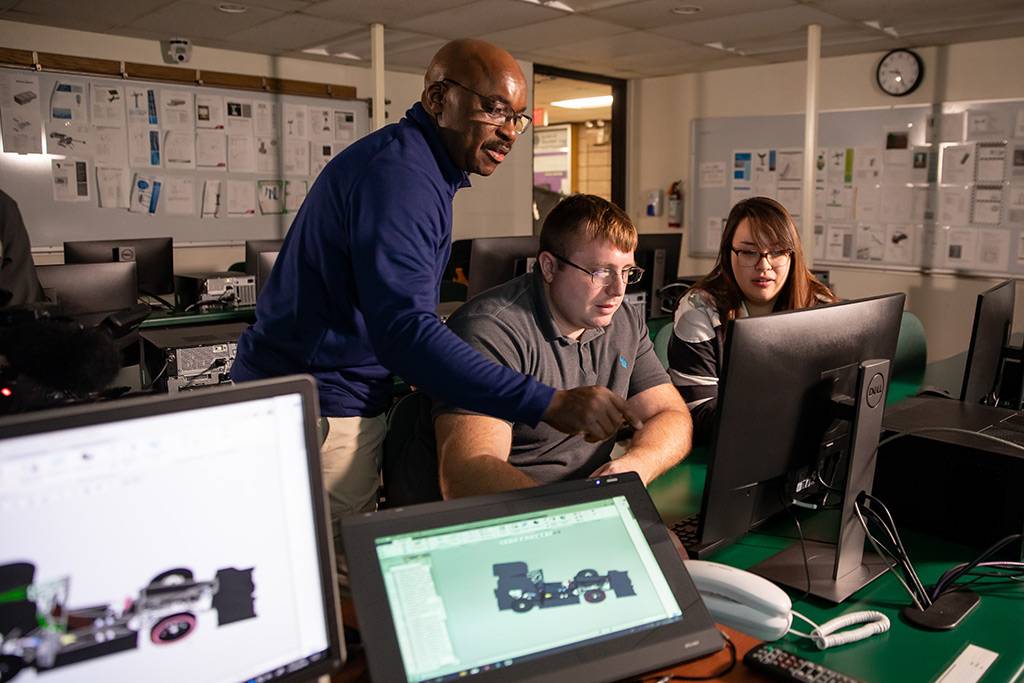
point(1011, 435)
point(688, 531)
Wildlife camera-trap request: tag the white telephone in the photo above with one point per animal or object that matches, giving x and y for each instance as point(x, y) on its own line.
point(759, 608)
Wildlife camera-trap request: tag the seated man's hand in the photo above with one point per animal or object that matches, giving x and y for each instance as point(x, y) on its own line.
point(595, 412)
point(626, 464)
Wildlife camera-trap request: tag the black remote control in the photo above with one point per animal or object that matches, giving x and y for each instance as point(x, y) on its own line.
point(786, 666)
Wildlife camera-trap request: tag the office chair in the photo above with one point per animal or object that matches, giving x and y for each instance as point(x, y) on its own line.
point(409, 461)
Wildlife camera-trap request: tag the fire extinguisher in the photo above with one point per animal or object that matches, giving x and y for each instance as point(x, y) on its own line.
point(675, 205)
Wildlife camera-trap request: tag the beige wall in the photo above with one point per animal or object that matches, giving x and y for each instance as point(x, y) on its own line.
point(661, 111)
point(499, 205)
point(594, 159)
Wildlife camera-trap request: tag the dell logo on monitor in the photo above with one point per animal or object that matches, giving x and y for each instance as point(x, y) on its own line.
point(876, 390)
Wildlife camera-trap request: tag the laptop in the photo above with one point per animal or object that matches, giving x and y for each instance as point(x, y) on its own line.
point(572, 581)
point(168, 539)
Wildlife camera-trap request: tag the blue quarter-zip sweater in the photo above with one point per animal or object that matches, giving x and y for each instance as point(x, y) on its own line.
point(353, 293)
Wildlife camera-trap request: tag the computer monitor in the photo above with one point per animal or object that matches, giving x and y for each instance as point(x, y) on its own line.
point(787, 385)
point(264, 265)
point(658, 255)
point(993, 320)
point(168, 539)
point(153, 256)
point(496, 260)
point(88, 289)
point(253, 248)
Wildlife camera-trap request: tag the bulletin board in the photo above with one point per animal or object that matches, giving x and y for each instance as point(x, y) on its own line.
point(112, 158)
point(918, 188)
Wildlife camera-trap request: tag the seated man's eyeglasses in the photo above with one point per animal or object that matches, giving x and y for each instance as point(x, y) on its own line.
point(496, 111)
point(749, 258)
point(602, 277)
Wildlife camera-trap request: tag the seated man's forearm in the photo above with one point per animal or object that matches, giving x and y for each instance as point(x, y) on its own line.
point(662, 443)
point(478, 475)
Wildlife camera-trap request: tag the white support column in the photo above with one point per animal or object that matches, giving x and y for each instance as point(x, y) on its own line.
point(810, 141)
point(377, 61)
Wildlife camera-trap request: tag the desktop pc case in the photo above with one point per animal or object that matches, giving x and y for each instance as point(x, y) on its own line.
point(226, 290)
point(180, 359)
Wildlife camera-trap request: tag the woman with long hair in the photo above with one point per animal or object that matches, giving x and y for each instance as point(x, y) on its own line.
point(760, 269)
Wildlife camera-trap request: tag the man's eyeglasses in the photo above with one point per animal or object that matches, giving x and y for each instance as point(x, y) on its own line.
point(496, 111)
point(749, 258)
point(602, 277)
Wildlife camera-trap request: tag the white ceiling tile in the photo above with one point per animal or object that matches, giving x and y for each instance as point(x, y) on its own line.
point(279, 5)
point(610, 48)
point(197, 20)
point(729, 30)
point(385, 12)
point(965, 35)
point(358, 43)
point(655, 13)
point(893, 12)
point(553, 32)
point(93, 15)
point(290, 32)
point(483, 16)
point(417, 59)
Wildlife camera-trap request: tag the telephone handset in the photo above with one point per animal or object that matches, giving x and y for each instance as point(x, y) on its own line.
point(757, 607)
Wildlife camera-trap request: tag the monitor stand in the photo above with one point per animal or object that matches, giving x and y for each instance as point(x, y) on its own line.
point(839, 570)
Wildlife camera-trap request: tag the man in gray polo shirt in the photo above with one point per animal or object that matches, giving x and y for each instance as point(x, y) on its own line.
point(565, 325)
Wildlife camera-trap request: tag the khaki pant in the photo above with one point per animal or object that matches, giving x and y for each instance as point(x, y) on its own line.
point(350, 459)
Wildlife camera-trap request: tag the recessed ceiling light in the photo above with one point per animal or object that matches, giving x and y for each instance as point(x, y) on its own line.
point(346, 55)
point(584, 102)
point(232, 8)
point(686, 10)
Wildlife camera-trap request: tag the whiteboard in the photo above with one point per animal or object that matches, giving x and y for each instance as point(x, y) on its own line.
point(918, 188)
point(28, 178)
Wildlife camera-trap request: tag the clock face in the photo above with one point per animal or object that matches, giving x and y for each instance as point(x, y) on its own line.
point(900, 72)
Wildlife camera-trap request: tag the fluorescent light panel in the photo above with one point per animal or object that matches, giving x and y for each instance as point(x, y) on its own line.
point(584, 102)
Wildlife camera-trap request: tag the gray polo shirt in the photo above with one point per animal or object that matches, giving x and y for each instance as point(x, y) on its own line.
point(512, 324)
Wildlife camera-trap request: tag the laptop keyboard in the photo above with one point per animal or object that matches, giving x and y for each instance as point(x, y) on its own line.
point(688, 531)
point(1011, 435)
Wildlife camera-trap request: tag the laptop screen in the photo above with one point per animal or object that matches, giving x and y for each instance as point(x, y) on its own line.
point(531, 588)
point(165, 544)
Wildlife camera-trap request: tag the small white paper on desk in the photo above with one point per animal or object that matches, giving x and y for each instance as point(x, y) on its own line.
point(179, 196)
point(264, 118)
point(211, 198)
point(993, 249)
point(712, 174)
point(295, 121)
point(987, 204)
point(143, 147)
point(241, 198)
point(321, 121)
point(211, 150)
point(107, 105)
point(839, 243)
point(969, 666)
point(67, 103)
point(1015, 204)
point(296, 157)
point(113, 185)
point(870, 243)
point(179, 149)
point(954, 206)
point(238, 116)
point(71, 181)
point(145, 194)
point(268, 155)
point(791, 196)
point(209, 111)
point(177, 110)
point(899, 244)
point(110, 147)
point(791, 166)
point(344, 128)
point(241, 154)
point(22, 124)
point(958, 165)
point(141, 104)
point(270, 194)
point(294, 194)
point(961, 247)
point(991, 159)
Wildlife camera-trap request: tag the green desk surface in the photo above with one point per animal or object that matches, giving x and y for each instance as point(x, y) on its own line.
point(162, 318)
point(904, 653)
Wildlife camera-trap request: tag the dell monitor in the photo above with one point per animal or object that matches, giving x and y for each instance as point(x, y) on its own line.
point(253, 248)
point(790, 400)
point(90, 289)
point(153, 257)
point(496, 260)
point(168, 539)
point(658, 255)
point(993, 320)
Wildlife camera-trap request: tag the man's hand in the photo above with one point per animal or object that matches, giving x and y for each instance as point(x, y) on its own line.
point(595, 412)
point(626, 464)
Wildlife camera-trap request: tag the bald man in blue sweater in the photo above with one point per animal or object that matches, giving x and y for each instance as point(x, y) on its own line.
point(353, 293)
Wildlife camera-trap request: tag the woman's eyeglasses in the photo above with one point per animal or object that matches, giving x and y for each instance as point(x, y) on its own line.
point(776, 258)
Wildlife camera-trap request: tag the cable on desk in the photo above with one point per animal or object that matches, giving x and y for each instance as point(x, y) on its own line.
point(890, 526)
point(803, 544)
point(886, 554)
point(710, 677)
point(946, 581)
